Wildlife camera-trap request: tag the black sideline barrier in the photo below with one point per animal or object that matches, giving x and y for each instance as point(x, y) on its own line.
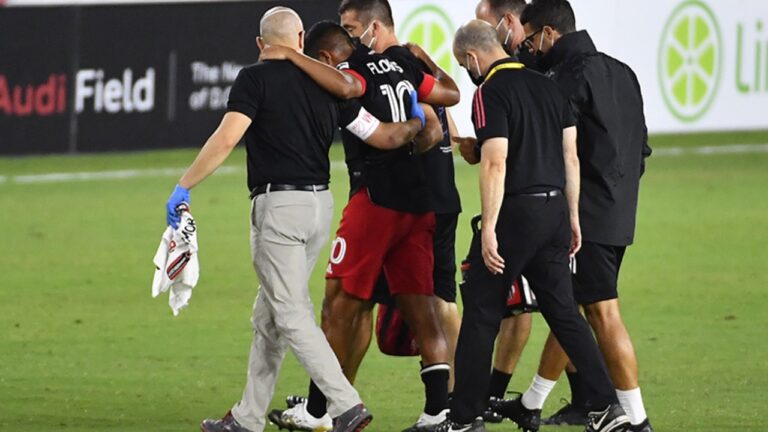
point(128, 77)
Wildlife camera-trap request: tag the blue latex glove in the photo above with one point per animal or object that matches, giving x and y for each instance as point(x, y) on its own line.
point(416, 111)
point(179, 196)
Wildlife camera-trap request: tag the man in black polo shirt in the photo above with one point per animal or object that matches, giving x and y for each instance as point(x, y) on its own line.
point(612, 146)
point(288, 122)
point(390, 199)
point(525, 128)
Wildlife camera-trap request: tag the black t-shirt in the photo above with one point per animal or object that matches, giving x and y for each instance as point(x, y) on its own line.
point(394, 178)
point(293, 124)
point(438, 161)
point(531, 111)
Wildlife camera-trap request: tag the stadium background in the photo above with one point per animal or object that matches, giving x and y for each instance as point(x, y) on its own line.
point(83, 347)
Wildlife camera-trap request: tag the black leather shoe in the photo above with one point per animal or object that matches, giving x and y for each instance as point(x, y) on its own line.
point(226, 424)
point(354, 419)
point(527, 419)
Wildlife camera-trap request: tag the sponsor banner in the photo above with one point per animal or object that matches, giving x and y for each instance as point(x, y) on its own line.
point(702, 64)
point(124, 77)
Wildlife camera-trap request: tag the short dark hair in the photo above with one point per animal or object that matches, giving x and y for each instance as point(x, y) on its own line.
point(369, 10)
point(325, 35)
point(557, 14)
point(500, 7)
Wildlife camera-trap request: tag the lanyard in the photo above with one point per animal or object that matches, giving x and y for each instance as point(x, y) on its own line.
point(512, 65)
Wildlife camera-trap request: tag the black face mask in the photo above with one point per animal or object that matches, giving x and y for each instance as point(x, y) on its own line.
point(531, 61)
point(476, 81)
point(356, 42)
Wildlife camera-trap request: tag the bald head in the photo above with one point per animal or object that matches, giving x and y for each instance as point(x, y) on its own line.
point(477, 36)
point(282, 26)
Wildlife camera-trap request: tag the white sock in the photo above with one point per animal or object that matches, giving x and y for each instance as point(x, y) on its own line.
point(632, 402)
point(537, 393)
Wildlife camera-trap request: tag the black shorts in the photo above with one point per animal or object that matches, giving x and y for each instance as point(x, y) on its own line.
point(444, 272)
point(597, 272)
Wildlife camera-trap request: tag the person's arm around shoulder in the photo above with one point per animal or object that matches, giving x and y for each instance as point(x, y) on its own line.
point(444, 91)
point(572, 185)
point(493, 170)
point(215, 151)
point(385, 136)
point(340, 84)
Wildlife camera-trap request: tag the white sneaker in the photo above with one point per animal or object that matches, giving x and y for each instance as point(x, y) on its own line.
point(298, 418)
point(427, 422)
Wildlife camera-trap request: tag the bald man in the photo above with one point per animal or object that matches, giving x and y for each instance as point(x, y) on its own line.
point(288, 122)
point(529, 193)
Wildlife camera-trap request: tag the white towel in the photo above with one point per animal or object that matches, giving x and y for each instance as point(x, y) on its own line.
point(177, 267)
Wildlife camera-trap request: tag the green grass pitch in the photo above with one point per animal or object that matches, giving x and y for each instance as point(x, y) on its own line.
point(83, 347)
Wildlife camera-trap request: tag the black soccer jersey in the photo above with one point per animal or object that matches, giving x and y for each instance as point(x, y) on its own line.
point(438, 161)
point(394, 178)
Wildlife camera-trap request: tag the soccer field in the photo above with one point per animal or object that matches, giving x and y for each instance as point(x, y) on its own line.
point(83, 347)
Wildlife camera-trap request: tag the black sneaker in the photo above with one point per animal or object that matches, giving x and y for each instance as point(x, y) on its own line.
point(568, 415)
point(491, 416)
point(611, 419)
point(293, 400)
point(450, 426)
point(645, 426)
point(527, 419)
point(226, 424)
point(354, 419)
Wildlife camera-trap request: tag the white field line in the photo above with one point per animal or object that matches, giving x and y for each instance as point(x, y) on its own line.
point(87, 176)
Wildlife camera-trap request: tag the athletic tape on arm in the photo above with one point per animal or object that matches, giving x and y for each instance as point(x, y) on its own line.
point(364, 125)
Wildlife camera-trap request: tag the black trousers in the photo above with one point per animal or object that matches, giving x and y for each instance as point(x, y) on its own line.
point(534, 237)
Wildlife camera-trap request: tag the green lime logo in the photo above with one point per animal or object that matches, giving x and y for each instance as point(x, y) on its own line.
point(690, 60)
point(432, 29)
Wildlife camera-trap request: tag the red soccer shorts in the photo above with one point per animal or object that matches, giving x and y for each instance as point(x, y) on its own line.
point(371, 238)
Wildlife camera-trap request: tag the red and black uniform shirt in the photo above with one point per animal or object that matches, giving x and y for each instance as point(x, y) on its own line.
point(394, 178)
point(438, 161)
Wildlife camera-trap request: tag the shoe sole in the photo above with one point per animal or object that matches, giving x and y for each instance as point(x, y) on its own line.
point(364, 424)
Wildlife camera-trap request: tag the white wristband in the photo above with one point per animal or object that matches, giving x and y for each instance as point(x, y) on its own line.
point(364, 125)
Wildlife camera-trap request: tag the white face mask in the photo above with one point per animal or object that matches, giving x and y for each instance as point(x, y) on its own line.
point(373, 39)
point(477, 80)
point(509, 32)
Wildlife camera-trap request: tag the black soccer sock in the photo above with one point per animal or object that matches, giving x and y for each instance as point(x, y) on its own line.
point(317, 404)
point(435, 379)
point(499, 383)
point(578, 392)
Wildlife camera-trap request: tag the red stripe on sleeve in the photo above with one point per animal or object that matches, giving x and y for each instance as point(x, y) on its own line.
point(479, 108)
point(427, 84)
point(358, 77)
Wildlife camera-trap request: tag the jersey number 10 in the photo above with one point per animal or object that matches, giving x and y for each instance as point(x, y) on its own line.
point(397, 97)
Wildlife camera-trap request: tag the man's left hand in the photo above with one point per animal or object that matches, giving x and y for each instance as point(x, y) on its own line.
point(416, 110)
point(417, 51)
point(491, 257)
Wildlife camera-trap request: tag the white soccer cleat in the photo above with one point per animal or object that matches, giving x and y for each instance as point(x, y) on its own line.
point(298, 418)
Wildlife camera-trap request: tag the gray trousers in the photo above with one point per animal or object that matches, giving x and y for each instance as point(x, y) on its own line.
point(288, 231)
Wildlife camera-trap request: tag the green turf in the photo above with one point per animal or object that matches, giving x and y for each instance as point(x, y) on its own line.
point(83, 347)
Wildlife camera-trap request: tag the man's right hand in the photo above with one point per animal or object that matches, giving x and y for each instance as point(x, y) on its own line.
point(275, 52)
point(178, 196)
point(467, 148)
